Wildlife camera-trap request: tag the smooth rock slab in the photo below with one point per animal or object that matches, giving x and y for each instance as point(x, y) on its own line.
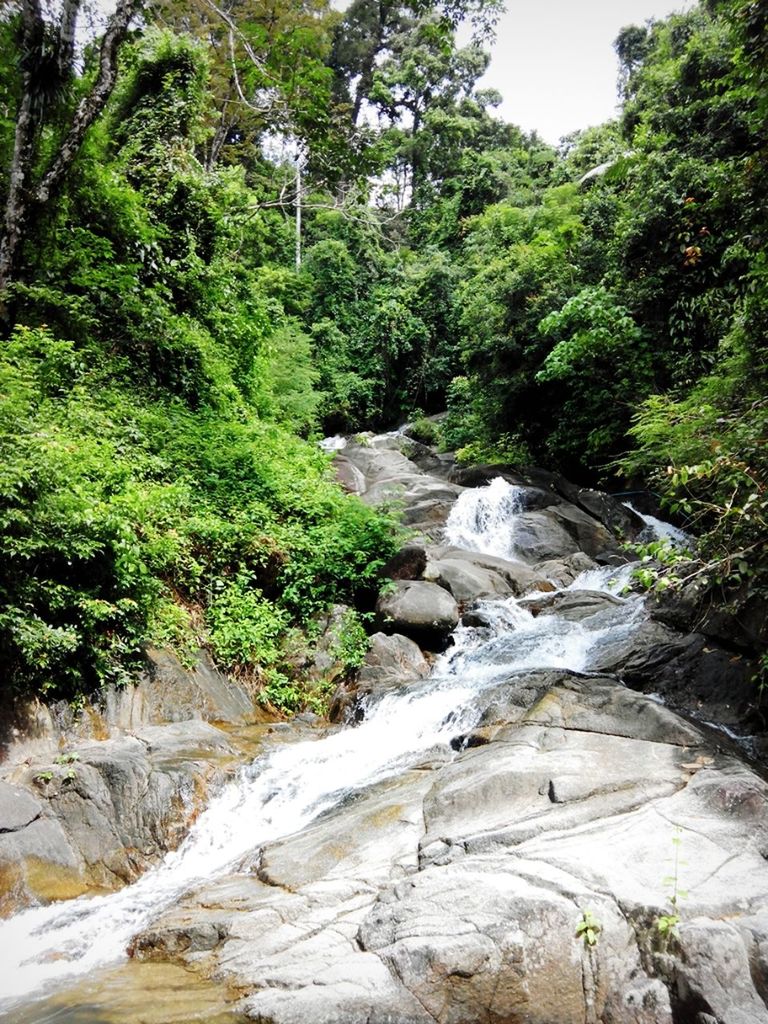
point(453, 895)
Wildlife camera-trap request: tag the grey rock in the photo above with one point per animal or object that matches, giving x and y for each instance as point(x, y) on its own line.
point(171, 693)
point(573, 606)
point(391, 662)
point(589, 534)
point(539, 536)
point(17, 808)
point(111, 811)
point(516, 577)
point(466, 580)
point(563, 571)
point(638, 656)
point(611, 512)
point(453, 894)
point(419, 610)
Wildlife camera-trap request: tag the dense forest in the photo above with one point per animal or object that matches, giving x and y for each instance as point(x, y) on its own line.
point(231, 230)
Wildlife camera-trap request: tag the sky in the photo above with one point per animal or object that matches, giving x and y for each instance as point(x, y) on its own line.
point(554, 63)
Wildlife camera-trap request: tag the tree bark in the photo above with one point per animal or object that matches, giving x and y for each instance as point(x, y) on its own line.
point(27, 122)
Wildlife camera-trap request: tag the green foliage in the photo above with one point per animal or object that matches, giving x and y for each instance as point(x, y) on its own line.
point(131, 511)
point(504, 449)
point(166, 354)
point(351, 643)
point(588, 929)
point(706, 453)
point(423, 430)
point(666, 924)
point(152, 486)
point(244, 627)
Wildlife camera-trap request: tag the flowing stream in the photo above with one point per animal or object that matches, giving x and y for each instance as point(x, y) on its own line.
point(281, 793)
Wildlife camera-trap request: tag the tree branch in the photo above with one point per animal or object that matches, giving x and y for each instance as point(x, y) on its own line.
point(91, 105)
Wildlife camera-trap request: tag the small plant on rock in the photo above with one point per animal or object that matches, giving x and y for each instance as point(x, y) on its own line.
point(588, 928)
point(667, 923)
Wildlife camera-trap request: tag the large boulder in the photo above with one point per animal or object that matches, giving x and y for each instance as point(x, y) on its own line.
point(573, 606)
point(563, 571)
point(423, 611)
point(623, 522)
point(590, 535)
point(169, 692)
point(391, 662)
point(466, 580)
point(470, 575)
point(538, 536)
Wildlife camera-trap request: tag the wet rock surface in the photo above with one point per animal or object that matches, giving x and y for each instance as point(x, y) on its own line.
point(391, 662)
point(455, 891)
point(104, 812)
point(420, 610)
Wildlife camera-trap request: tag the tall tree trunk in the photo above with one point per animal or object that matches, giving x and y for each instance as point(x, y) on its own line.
point(26, 200)
point(27, 122)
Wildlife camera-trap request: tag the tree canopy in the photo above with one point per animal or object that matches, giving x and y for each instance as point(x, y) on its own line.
point(600, 308)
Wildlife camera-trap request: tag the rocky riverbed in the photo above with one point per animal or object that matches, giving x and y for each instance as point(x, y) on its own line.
point(508, 822)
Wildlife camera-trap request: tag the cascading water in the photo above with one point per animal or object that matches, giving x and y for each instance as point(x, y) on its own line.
point(483, 519)
point(657, 529)
point(281, 793)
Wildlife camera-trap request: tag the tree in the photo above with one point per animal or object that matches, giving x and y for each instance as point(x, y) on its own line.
point(46, 55)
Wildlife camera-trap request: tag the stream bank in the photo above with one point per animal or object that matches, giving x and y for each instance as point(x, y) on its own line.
point(435, 860)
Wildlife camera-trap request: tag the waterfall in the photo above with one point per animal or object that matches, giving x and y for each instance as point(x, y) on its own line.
point(657, 529)
point(282, 792)
point(483, 519)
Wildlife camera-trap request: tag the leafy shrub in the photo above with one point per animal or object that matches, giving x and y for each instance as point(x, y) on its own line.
point(423, 430)
point(121, 513)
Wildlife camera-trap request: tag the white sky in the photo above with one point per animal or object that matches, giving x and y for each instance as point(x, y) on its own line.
point(554, 63)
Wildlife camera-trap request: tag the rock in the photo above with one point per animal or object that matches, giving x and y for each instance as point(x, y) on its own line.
point(18, 808)
point(391, 661)
point(408, 564)
point(482, 475)
point(563, 571)
point(539, 536)
point(422, 611)
point(348, 475)
point(378, 464)
point(741, 623)
point(517, 577)
point(466, 580)
point(573, 606)
point(453, 894)
point(590, 535)
point(723, 993)
point(622, 522)
point(108, 811)
point(168, 692)
point(644, 651)
point(427, 518)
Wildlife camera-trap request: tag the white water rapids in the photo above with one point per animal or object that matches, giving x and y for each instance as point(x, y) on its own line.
point(483, 519)
point(281, 793)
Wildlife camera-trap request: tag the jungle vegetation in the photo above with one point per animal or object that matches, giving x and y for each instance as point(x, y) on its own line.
point(171, 350)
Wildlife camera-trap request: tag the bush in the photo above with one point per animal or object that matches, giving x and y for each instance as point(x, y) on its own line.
point(129, 519)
